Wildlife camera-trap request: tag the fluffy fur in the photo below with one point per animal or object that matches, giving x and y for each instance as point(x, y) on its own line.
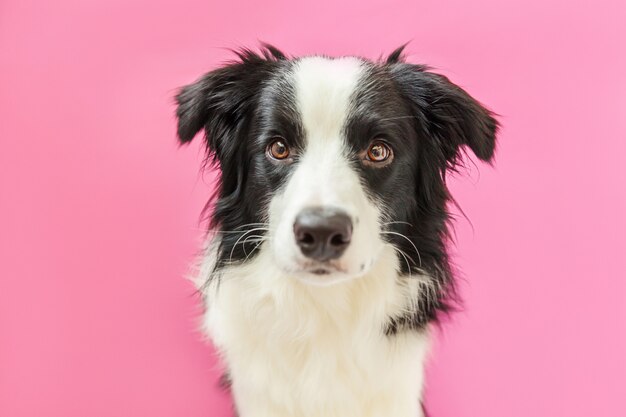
point(348, 336)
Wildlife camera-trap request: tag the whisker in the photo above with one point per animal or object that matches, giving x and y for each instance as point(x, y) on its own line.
point(405, 260)
point(255, 248)
point(398, 251)
point(251, 224)
point(230, 258)
point(409, 240)
point(243, 244)
point(397, 222)
point(240, 231)
point(398, 118)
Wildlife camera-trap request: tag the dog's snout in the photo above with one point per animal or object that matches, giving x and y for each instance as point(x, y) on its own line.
point(322, 233)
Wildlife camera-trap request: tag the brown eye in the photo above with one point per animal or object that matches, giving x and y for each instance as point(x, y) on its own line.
point(278, 149)
point(378, 152)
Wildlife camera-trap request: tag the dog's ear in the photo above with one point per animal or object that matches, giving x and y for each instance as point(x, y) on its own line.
point(447, 113)
point(220, 101)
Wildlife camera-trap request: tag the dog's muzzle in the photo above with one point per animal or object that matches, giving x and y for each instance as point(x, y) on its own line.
point(322, 233)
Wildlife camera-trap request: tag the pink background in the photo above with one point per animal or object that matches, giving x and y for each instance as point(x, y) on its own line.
point(99, 208)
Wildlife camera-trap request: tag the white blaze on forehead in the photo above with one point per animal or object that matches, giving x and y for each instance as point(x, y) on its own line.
point(324, 174)
point(323, 89)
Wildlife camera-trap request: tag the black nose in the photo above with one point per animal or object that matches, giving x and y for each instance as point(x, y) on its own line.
point(322, 233)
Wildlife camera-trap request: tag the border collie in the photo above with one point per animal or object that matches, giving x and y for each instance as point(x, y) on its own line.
point(326, 260)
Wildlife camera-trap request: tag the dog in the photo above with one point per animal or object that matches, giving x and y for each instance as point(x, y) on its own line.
point(326, 265)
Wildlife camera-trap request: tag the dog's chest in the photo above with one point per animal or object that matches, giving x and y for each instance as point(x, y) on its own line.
point(315, 351)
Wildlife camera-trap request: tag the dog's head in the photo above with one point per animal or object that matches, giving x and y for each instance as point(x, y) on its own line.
point(326, 161)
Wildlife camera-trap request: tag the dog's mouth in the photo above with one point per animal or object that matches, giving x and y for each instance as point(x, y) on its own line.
point(323, 274)
point(321, 271)
point(324, 268)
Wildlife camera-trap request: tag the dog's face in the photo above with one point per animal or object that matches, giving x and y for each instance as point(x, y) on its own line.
point(326, 161)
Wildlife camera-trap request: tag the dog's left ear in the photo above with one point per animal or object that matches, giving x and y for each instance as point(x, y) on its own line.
point(450, 116)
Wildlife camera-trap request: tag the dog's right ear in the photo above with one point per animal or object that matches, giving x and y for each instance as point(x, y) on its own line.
point(220, 101)
point(192, 111)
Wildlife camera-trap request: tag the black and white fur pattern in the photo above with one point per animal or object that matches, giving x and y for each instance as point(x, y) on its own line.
point(345, 337)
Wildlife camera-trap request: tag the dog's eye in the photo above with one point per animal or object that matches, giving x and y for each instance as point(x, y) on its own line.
point(278, 149)
point(378, 152)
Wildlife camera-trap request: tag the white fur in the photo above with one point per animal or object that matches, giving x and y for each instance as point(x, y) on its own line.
point(299, 350)
point(323, 176)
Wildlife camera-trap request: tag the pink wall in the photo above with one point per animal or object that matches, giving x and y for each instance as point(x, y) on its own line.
point(99, 208)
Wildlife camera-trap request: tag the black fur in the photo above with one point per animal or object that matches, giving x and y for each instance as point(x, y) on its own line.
point(239, 106)
point(427, 120)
